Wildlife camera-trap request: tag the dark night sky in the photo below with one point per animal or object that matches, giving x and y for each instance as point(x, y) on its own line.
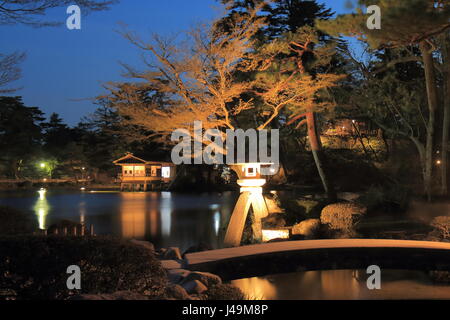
point(64, 66)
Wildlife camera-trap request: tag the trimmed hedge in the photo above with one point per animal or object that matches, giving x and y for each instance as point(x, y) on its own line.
point(342, 217)
point(442, 225)
point(35, 267)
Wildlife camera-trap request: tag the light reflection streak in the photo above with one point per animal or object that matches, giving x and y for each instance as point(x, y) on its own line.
point(82, 210)
point(217, 222)
point(166, 213)
point(132, 212)
point(41, 209)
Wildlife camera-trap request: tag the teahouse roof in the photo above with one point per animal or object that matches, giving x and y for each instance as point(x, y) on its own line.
point(129, 158)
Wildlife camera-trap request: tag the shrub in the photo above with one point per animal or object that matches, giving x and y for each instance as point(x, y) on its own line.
point(442, 225)
point(225, 292)
point(16, 222)
point(301, 209)
point(35, 267)
point(342, 216)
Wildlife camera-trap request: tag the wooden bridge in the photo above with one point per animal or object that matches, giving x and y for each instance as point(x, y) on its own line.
point(294, 256)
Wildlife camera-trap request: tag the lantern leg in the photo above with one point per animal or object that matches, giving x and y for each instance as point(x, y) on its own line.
point(259, 212)
point(259, 206)
point(237, 222)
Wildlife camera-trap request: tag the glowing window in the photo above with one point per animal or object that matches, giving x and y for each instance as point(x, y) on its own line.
point(165, 173)
point(250, 171)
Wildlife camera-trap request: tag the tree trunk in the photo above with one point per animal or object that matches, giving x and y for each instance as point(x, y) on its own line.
point(430, 78)
point(422, 151)
point(446, 120)
point(283, 152)
point(316, 148)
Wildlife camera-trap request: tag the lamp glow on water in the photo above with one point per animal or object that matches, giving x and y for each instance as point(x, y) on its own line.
point(41, 208)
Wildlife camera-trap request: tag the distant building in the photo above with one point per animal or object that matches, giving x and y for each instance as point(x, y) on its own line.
point(141, 175)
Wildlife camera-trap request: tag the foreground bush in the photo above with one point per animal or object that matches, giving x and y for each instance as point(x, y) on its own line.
point(224, 292)
point(342, 217)
point(35, 267)
point(16, 222)
point(442, 225)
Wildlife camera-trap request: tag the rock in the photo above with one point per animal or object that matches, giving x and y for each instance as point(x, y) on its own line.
point(308, 228)
point(145, 244)
point(177, 292)
point(170, 264)
point(172, 253)
point(208, 279)
point(177, 275)
point(274, 220)
point(161, 252)
point(194, 287)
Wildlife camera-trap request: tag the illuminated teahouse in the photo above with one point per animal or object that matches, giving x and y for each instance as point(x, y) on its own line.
point(142, 175)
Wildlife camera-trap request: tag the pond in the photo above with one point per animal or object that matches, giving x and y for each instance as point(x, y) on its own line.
point(343, 285)
point(164, 218)
point(183, 220)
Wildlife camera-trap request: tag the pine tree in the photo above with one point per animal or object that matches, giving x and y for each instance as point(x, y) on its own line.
point(404, 23)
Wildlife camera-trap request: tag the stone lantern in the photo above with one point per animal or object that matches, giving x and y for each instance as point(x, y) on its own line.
point(251, 182)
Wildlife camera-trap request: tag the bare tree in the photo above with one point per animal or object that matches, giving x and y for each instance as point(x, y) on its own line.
point(191, 83)
point(9, 69)
point(29, 12)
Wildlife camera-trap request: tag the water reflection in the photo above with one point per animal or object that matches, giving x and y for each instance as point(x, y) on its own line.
point(166, 213)
point(257, 288)
point(217, 222)
point(133, 208)
point(42, 208)
point(166, 218)
point(154, 215)
point(342, 285)
point(82, 209)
